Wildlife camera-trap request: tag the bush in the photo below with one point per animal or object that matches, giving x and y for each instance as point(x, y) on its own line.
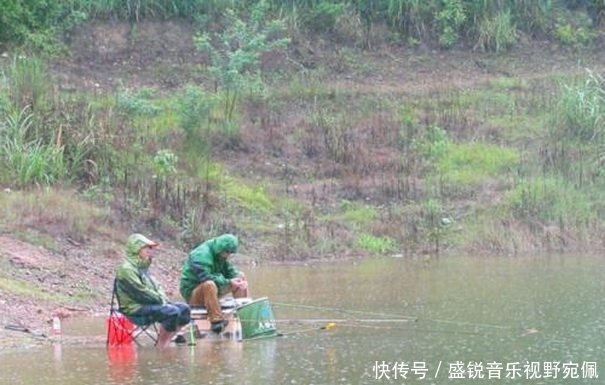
point(322, 18)
point(496, 33)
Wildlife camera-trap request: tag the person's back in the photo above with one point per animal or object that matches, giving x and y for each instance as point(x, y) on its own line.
point(207, 274)
point(205, 263)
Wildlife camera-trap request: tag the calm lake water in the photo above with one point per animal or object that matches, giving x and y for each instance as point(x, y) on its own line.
point(449, 320)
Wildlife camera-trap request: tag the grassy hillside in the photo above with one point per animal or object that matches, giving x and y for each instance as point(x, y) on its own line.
point(305, 145)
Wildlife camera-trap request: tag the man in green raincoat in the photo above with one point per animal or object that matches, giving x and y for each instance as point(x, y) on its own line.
point(207, 274)
point(140, 296)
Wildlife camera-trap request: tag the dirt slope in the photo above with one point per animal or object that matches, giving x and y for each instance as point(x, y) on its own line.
point(55, 283)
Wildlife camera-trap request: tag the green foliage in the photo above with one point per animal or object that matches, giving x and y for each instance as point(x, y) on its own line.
point(412, 17)
point(35, 25)
point(322, 17)
point(334, 133)
point(138, 102)
point(474, 163)
point(572, 36)
point(550, 199)
point(164, 163)
point(12, 21)
point(139, 10)
point(573, 28)
point(254, 200)
point(52, 137)
point(357, 214)
point(28, 161)
point(496, 33)
point(27, 83)
point(534, 16)
point(374, 244)
point(449, 20)
point(423, 146)
point(434, 143)
point(580, 114)
point(195, 109)
point(235, 52)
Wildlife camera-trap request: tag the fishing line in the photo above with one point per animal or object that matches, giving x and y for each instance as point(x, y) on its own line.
point(393, 317)
point(336, 325)
point(470, 323)
point(413, 329)
point(350, 320)
point(324, 308)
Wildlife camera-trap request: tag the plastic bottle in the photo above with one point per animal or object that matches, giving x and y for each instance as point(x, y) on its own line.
point(56, 328)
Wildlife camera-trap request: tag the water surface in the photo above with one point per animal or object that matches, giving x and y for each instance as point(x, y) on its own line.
point(443, 320)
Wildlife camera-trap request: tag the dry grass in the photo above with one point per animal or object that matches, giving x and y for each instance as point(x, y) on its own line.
point(48, 216)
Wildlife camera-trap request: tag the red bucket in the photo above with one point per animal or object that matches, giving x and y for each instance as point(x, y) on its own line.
point(119, 330)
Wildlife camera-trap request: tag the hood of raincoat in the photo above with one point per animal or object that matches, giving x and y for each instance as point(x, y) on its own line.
point(225, 242)
point(134, 244)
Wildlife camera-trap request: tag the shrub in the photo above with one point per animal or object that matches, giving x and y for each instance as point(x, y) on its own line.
point(496, 33)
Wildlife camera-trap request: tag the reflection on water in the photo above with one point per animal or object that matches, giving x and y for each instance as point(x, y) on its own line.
point(378, 321)
point(122, 363)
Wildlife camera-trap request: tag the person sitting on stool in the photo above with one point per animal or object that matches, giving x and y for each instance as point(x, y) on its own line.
point(207, 274)
point(140, 295)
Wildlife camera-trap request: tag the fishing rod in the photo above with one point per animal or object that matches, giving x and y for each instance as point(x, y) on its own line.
point(479, 324)
point(334, 325)
point(324, 308)
point(350, 320)
point(392, 317)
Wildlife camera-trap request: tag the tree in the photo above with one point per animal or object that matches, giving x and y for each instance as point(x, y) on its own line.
point(235, 52)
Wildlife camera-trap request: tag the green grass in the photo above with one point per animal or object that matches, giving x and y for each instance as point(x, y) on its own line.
point(477, 163)
point(252, 198)
point(19, 287)
point(551, 200)
point(357, 214)
point(376, 245)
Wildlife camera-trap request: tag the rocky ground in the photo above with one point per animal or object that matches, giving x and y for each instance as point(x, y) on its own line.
point(76, 282)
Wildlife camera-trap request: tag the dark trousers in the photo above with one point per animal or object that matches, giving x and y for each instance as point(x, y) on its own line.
point(171, 315)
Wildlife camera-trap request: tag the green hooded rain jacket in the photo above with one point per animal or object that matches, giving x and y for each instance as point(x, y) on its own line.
point(205, 263)
point(135, 286)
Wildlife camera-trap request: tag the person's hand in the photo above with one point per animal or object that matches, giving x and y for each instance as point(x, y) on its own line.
point(239, 283)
